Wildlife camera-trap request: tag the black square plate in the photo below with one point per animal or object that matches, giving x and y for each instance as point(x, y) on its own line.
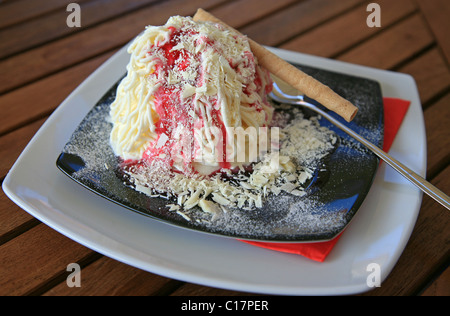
point(333, 197)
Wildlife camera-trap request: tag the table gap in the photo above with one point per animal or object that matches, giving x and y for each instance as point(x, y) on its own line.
point(434, 276)
point(417, 54)
point(169, 288)
point(438, 168)
point(18, 230)
point(28, 121)
point(61, 276)
point(435, 98)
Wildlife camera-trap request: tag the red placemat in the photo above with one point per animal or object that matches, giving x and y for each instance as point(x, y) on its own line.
point(394, 112)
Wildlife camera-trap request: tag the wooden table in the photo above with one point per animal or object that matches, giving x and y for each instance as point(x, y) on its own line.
point(42, 60)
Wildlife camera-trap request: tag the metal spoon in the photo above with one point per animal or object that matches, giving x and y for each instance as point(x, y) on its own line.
point(281, 97)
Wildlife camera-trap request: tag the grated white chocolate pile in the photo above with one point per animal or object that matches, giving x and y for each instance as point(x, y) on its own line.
point(303, 143)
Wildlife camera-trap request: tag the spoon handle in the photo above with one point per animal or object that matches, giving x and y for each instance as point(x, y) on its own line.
point(416, 179)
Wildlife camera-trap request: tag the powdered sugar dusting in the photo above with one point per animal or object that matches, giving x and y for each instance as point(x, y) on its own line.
point(245, 203)
point(332, 183)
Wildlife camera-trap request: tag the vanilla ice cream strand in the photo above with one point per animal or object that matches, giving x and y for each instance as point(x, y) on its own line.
point(292, 75)
point(231, 92)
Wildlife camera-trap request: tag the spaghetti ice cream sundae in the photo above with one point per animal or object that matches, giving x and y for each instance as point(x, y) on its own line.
point(191, 123)
point(189, 86)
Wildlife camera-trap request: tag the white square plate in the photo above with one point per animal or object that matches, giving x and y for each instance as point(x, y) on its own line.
point(377, 234)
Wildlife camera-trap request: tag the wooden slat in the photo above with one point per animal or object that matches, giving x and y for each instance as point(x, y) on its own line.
point(438, 135)
point(440, 286)
point(36, 63)
point(241, 12)
point(14, 220)
point(51, 26)
point(348, 29)
point(11, 145)
point(431, 74)
point(42, 97)
point(110, 277)
point(36, 257)
point(13, 12)
point(436, 13)
point(288, 23)
point(393, 46)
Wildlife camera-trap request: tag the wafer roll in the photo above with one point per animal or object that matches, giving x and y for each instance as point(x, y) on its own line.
point(292, 75)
